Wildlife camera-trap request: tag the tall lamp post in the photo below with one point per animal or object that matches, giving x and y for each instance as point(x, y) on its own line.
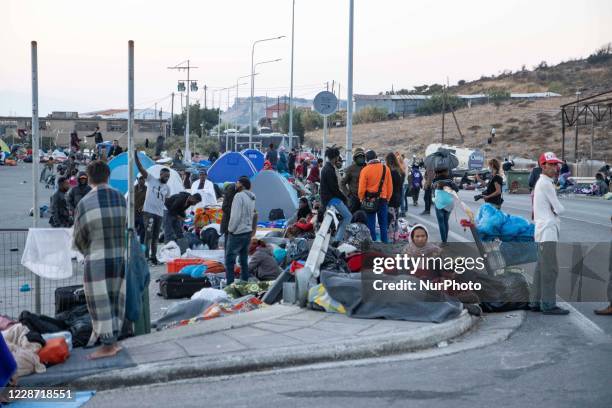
point(349, 96)
point(291, 81)
point(237, 86)
point(252, 83)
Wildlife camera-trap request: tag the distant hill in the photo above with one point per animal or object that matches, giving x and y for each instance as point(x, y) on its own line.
point(524, 128)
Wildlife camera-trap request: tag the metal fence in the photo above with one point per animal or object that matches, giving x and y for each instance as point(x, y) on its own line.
point(19, 287)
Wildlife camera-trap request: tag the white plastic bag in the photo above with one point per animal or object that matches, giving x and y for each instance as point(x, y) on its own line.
point(210, 294)
point(48, 252)
point(168, 252)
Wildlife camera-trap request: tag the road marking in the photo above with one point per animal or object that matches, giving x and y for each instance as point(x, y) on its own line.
point(562, 216)
point(453, 234)
point(586, 325)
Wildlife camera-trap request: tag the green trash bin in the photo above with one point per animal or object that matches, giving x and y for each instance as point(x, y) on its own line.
point(518, 181)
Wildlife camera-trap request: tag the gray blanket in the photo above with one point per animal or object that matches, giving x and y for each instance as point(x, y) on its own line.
point(417, 306)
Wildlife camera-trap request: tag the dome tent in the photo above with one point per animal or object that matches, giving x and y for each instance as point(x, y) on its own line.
point(230, 167)
point(119, 170)
point(272, 191)
point(256, 157)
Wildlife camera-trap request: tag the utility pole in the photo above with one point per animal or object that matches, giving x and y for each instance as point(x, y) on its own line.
point(188, 68)
point(205, 88)
point(172, 115)
point(291, 81)
point(576, 127)
point(349, 96)
point(443, 110)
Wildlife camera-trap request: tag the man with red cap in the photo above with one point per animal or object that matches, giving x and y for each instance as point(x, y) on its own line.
point(546, 211)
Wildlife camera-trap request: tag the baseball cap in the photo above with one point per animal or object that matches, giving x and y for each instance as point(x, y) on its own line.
point(549, 157)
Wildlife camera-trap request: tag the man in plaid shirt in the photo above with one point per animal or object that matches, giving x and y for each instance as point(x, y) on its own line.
point(99, 234)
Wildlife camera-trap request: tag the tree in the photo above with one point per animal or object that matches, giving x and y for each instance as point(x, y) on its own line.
point(370, 114)
point(498, 95)
point(603, 54)
point(298, 128)
point(197, 117)
point(461, 82)
point(311, 120)
point(436, 102)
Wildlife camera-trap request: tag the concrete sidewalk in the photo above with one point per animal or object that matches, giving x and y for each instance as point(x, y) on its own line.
point(271, 337)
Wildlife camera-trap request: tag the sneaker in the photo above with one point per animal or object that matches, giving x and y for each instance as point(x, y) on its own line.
point(555, 311)
point(425, 213)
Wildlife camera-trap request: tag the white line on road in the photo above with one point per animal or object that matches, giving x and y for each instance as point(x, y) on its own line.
point(586, 325)
point(562, 216)
point(452, 234)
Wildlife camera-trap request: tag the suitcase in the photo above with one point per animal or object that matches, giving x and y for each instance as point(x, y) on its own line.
point(177, 286)
point(68, 297)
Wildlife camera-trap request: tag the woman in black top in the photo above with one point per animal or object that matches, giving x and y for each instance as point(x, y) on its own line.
point(397, 176)
point(493, 193)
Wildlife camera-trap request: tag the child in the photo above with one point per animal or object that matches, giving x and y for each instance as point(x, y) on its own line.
point(357, 232)
point(262, 264)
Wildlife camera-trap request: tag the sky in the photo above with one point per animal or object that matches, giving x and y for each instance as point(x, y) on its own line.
point(82, 46)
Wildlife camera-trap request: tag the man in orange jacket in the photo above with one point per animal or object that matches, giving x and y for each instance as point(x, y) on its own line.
point(370, 182)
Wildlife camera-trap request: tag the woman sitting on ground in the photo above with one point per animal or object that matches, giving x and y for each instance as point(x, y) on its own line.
point(262, 264)
point(302, 221)
point(357, 232)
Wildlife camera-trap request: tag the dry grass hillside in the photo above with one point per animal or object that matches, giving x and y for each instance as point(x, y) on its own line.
point(524, 128)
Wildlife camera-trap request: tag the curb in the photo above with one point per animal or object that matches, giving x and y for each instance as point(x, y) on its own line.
point(196, 367)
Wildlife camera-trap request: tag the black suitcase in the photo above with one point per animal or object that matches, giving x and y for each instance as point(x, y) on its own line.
point(177, 286)
point(68, 297)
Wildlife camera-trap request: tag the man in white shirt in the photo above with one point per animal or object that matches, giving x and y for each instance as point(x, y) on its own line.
point(205, 189)
point(546, 211)
point(154, 207)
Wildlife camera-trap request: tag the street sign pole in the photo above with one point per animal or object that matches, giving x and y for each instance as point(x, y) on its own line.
point(35, 161)
point(325, 103)
point(324, 133)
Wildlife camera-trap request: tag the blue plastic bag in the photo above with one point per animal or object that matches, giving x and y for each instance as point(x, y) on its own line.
point(195, 271)
point(279, 255)
point(516, 227)
point(443, 200)
point(490, 220)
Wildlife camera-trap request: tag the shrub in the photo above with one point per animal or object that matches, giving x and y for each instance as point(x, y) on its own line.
point(436, 102)
point(370, 114)
point(601, 55)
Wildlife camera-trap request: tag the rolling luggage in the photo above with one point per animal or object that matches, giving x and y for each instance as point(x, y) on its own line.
point(177, 286)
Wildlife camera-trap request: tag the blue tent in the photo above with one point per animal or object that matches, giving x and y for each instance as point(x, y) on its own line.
point(256, 157)
point(119, 170)
point(229, 167)
point(273, 191)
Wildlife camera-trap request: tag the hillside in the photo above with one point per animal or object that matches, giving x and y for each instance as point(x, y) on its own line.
point(524, 128)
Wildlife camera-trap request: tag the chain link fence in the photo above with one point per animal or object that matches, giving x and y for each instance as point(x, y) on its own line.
point(20, 288)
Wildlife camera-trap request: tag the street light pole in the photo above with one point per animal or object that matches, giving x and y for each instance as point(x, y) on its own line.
point(236, 103)
point(187, 151)
point(349, 96)
point(253, 85)
point(291, 81)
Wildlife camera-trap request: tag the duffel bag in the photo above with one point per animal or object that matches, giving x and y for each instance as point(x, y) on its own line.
point(178, 286)
point(68, 297)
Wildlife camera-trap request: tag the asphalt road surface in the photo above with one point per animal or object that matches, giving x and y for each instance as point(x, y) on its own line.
point(550, 362)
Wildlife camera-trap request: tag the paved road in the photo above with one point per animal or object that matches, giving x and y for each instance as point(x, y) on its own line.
point(550, 361)
point(584, 220)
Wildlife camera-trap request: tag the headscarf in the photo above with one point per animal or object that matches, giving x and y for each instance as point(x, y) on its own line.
point(428, 249)
point(304, 212)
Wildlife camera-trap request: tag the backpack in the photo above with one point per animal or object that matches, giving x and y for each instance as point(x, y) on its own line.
point(441, 160)
point(417, 178)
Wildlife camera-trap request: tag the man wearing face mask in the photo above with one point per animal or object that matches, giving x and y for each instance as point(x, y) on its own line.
point(330, 190)
point(153, 209)
point(350, 182)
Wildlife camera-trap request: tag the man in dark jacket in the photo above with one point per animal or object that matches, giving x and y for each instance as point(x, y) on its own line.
point(60, 216)
point(534, 176)
point(291, 162)
point(159, 145)
point(77, 192)
point(140, 193)
point(226, 208)
point(97, 135)
point(115, 149)
point(272, 156)
point(176, 205)
point(330, 192)
point(350, 182)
